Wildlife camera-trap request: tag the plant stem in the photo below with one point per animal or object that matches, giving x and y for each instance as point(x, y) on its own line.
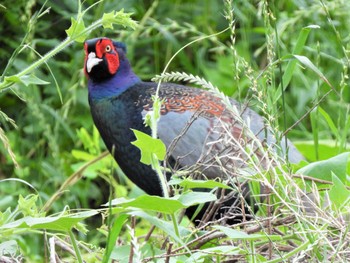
point(163, 182)
point(75, 246)
point(176, 227)
point(164, 185)
point(65, 43)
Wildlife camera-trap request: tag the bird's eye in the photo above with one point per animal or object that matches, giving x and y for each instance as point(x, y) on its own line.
point(108, 48)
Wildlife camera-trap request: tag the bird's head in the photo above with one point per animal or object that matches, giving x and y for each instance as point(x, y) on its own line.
point(103, 58)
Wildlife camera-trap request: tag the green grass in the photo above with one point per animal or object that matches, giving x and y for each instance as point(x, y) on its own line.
point(288, 60)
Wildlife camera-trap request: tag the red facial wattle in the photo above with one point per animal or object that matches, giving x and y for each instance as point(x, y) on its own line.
point(105, 48)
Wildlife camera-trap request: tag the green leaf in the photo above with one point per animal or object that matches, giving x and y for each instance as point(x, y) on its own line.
point(121, 253)
point(288, 73)
point(108, 20)
point(120, 18)
point(32, 79)
point(81, 155)
point(307, 63)
point(149, 146)
point(326, 149)
point(338, 193)
point(113, 235)
point(5, 216)
point(150, 202)
point(27, 205)
point(26, 80)
point(324, 169)
point(195, 198)
point(76, 30)
point(57, 223)
point(165, 205)
point(300, 44)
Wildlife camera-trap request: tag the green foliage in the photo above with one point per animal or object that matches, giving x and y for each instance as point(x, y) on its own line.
point(339, 194)
point(326, 169)
point(117, 17)
point(289, 60)
point(76, 29)
point(149, 147)
point(57, 223)
point(165, 205)
point(113, 234)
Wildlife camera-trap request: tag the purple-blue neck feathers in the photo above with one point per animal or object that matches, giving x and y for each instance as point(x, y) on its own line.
point(115, 85)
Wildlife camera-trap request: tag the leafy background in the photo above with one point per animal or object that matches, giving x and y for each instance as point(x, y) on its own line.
point(54, 135)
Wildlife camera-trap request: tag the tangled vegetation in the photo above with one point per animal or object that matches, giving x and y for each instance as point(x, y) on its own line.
point(62, 196)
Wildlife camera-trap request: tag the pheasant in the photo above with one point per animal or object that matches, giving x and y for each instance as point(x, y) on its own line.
point(198, 129)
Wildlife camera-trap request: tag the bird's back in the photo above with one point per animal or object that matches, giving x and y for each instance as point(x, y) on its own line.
point(195, 125)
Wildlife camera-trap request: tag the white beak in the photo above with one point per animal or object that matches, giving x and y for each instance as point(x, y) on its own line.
point(92, 61)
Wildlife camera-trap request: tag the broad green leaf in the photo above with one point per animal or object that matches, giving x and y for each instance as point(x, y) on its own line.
point(240, 235)
point(113, 235)
point(120, 18)
point(326, 149)
point(195, 198)
point(150, 202)
point(76, 30)
point(58, 223)
point(190, 184)
point(149, 146)
point(324, 169)
point(165, 205)
point(338, 193)
point(121, 253)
